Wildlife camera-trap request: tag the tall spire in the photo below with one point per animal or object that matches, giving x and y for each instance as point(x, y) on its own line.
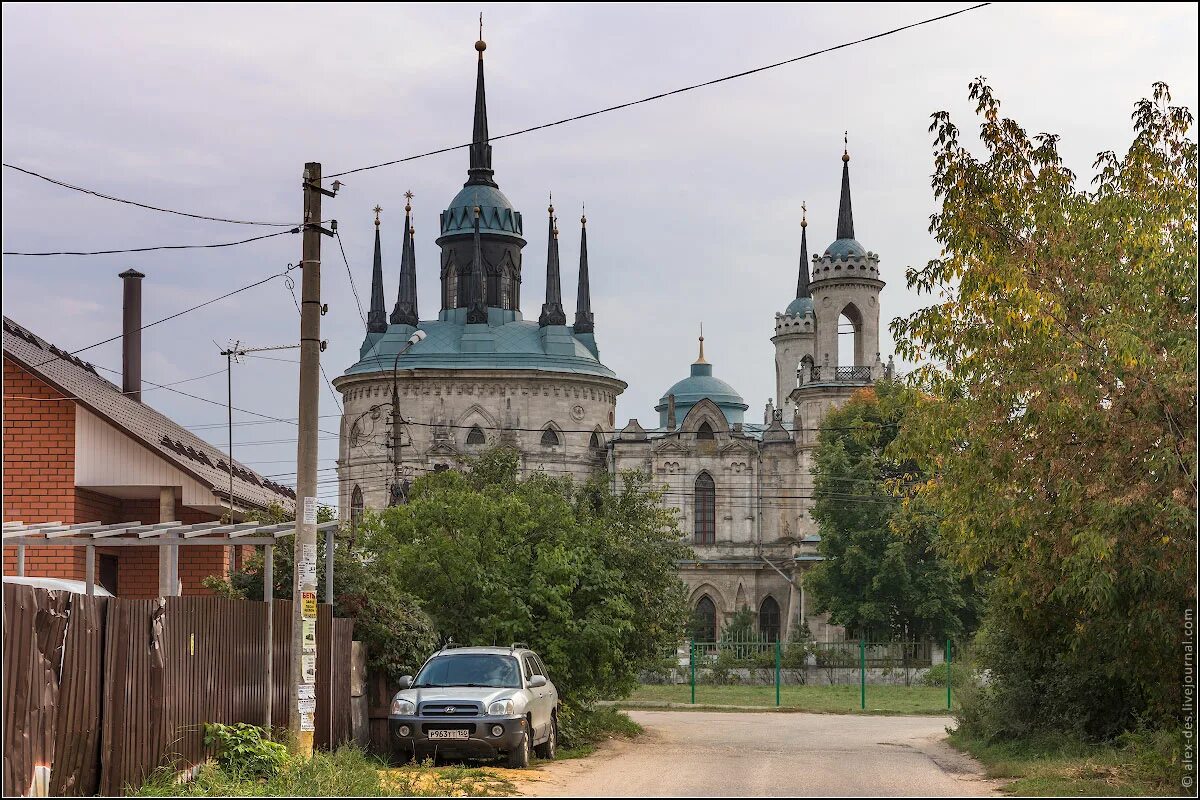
point(552, 310)
point(477, 305)
point(802, 280)
point(405, 312)
point(377, 318)
point(845, 226)
point(584, 321)
point(480, 171)
point(701, 360)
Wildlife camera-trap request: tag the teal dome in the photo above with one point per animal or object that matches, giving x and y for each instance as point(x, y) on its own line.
point(505, 342)
point(800, 307)
point(846, 248)
point(496, 212)
point(701, 385)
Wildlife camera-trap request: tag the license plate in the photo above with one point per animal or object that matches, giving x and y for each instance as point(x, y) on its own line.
point(452, 733)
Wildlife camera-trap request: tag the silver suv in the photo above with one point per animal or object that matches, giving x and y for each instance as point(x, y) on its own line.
point(476, 702)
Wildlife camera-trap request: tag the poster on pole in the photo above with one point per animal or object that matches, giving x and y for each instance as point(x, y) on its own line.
point(308, 565)
point(306, 722)
point(310, 511)
point(309, 667)
point(306, 691)
point(308, 605)
point(309, 639)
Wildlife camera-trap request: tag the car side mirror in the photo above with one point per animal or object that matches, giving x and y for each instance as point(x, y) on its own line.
point(537, 681)
point(405, 681)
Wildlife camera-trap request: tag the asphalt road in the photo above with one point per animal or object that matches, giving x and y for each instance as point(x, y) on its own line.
point(696, 753)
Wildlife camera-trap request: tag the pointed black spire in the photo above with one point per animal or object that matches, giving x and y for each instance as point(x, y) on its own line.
point(845, 228)
point(477, 307)
point(552, 310)
point(480, 171)
point(584, 321)
point(802, 279)
point(405, 312)
point(377, 318)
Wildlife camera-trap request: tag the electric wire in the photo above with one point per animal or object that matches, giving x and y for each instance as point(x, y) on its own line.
point(158, 247)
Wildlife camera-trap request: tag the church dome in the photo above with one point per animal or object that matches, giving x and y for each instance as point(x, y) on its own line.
point(800, 307)
point(701, 385)
point(496, 212)
point(846, 248)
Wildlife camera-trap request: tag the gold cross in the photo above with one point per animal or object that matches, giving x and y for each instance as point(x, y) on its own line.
point(377, 210)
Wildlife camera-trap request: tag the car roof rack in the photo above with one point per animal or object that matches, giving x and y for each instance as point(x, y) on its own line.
point(450, 645)
point(518, 646)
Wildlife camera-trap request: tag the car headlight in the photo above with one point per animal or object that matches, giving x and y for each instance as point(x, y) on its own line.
point(402, 707)
point(500, 708)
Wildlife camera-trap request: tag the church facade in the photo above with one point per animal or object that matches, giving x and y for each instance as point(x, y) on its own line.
point(483, 376)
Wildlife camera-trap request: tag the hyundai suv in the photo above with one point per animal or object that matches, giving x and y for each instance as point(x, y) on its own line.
point(476, 702)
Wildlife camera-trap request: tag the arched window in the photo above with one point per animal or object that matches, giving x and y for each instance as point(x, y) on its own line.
point(354, 435)
point(806, 369)
point(705, 431)
point(356, 506)
point(550, 438)
point(704, 621)
point(594, 441)
point(452, 286)
point(851, 342)
point(475, 436)
point(768, 620)
point(705, 510)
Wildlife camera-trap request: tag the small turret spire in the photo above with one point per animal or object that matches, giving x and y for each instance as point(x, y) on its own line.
point(480, 171)
point(552, 310)
point(477, 311)
point(584, 321)
point(845, 226)
point(802, 289)
point(377, 317)
point(405, 312)
point(701, 360)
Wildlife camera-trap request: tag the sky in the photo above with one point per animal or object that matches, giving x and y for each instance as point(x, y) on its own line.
point(693, 202)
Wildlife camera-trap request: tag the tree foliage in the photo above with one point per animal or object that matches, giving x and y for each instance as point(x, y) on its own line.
point(1062, 443)
point(583, 573)
point(882, 577)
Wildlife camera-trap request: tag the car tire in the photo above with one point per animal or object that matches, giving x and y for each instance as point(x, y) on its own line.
point(519, 758)
point(402, 756)
point(548, 749)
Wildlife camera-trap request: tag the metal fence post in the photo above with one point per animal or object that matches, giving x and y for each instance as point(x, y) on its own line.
point(862, 673)
point(778, 669)
point(692, 663)
point(948, 657)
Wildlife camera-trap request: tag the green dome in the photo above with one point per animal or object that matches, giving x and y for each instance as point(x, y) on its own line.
point(800, 307)
point(496, 213)
point(701, 385)
point(846, 248)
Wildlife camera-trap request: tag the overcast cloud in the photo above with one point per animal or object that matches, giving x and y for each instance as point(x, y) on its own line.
point(693, 202)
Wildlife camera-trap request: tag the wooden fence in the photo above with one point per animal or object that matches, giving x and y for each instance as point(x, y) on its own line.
point(98, 692)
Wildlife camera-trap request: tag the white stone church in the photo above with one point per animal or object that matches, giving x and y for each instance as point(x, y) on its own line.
point(484, 376)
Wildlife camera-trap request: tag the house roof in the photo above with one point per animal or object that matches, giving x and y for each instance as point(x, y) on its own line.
point(167, 439)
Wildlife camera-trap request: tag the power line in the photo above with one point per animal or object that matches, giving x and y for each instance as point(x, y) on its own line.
point(291, 287)
point(133, 391)
point(350, 275)
point(666, 94)
point(158, 247)
point(290, 267)
point(103, 196)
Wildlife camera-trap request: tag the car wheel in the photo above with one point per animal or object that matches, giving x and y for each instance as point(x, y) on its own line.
point(549, 749)
point(519, 758)
point(401, 756)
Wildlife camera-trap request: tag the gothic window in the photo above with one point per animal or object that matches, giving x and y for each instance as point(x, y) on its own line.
point(356, 506)
point(705, 510)
point(493, 291)
point(506, 298)
point(475, 436)
point(550, 438)
point(705, 432)
point(353, 435)
point(768, 620)
point(704, 621)
point(452, 286)
point(594, 441)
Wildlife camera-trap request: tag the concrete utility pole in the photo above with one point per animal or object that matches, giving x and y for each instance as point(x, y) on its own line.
point(303, 705)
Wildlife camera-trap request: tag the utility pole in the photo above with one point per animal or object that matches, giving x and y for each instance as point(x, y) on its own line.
point(230, 353)
point(303, 705)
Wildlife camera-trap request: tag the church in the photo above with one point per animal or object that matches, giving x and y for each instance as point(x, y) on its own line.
point(480, 375)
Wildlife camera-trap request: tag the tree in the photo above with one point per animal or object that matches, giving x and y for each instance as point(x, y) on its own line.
point(584, 573)
point(1061, 353)
point(882, 577)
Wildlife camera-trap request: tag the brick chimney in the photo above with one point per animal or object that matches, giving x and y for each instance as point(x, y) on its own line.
point(131, 330)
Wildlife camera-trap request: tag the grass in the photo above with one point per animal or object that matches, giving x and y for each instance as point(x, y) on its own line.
point(819, 699)
point(1137, 764)
point(348, 772)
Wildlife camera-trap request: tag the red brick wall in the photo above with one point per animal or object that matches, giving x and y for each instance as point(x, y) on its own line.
point(39, 486)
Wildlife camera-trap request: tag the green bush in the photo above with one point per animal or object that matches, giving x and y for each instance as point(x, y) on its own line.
point(960, 676)
point(581, 727)
point(245, 750)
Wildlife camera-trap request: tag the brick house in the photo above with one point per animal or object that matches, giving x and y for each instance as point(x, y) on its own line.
point(78, 448)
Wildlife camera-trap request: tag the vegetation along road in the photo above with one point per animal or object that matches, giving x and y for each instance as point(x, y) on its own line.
point(697, 753)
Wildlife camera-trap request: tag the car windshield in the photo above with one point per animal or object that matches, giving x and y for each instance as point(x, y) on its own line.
point(470, 669)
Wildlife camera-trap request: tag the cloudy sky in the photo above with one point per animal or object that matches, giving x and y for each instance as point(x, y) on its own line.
point(693, 202)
